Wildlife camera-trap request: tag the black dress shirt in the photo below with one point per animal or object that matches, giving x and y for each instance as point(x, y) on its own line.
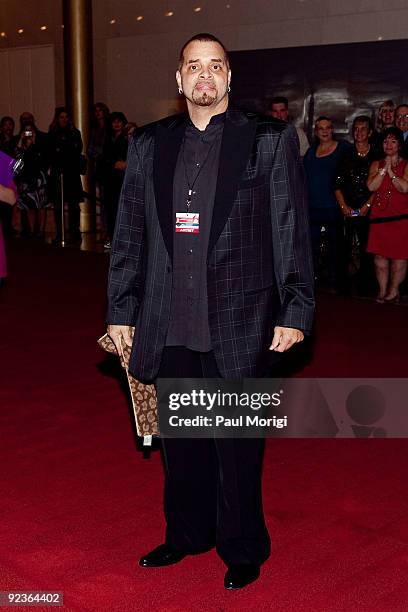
point(196, 169)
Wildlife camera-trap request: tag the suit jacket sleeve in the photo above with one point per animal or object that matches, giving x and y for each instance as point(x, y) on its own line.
point(126, 264)
point(293, 264)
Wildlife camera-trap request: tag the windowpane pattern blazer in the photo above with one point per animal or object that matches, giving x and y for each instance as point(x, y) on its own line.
point(259, 264)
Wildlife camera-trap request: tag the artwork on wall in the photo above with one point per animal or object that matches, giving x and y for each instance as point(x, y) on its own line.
point(340, 81)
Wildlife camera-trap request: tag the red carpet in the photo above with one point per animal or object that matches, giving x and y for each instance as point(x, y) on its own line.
point(79, 504)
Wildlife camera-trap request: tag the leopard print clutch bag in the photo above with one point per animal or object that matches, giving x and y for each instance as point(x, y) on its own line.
point(144, 399)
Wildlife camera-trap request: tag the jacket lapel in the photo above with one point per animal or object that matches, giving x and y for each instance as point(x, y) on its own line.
point(237, 141)
point(167, 145)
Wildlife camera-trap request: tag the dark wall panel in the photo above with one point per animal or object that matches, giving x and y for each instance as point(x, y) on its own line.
point(340, 81)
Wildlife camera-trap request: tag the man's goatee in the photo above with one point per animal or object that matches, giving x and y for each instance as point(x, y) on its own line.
point(204, 100)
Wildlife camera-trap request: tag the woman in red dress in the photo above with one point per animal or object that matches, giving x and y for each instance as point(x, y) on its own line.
point(388, 238)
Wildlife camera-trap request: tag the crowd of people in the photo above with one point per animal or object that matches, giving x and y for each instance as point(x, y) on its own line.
point(358, 192)
point(358, 201)
point(52, 166)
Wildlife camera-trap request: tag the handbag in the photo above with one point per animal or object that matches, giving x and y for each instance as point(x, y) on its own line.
point(32, 194)
point(144, 399)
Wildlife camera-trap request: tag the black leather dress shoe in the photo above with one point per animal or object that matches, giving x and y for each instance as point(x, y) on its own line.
point(161, 556)
point(239, 576)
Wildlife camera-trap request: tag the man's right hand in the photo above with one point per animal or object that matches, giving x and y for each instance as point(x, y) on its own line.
point(120, 333)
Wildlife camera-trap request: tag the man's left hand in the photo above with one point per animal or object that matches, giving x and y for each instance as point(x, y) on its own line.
point(284, 338)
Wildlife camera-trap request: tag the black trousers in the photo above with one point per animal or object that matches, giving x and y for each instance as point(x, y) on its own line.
point(366, 281)
point(213, 494)
point(333, 223)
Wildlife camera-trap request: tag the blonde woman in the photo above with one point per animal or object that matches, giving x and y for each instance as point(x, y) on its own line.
point(384, 120)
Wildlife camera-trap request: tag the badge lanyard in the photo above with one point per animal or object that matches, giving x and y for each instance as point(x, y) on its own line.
point(189, 222)
point(191, 185)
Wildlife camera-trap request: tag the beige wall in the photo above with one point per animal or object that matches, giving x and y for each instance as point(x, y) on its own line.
point(140, 67)
point(134, 61)
point(28, 83)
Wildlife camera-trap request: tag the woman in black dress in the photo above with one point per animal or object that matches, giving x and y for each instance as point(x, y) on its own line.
point(65, 144)
point(31, 181)
point(114, 163)
point(354, 199)
point(97, 139)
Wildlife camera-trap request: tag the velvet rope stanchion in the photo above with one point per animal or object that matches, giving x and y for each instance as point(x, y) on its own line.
point(62, 210)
